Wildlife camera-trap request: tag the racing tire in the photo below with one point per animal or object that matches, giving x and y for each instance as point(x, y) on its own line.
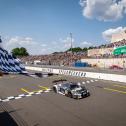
point(75, 97)
point(54, 89)
point(88, 94)
point(70, 95)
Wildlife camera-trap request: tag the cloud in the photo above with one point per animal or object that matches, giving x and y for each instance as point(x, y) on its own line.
point(61, 44)
point(66, 43)
point(107, 34)
point(36, 48)
point(86, 44)
point(27, 42)
point(103, 10)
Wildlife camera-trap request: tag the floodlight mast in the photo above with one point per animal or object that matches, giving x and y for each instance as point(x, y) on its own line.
point(71, 39)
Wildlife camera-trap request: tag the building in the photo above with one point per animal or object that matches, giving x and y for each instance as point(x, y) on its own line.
point(100, 52)
point(117, 40)
point(118, 37)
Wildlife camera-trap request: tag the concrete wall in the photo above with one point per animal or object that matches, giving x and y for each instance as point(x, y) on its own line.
point(77, 73)
point(106, 63)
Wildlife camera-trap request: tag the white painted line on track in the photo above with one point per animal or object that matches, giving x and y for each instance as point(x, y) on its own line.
point(10, 98)
point(28, 95)
point(5, 100)
point(88, 81)
point(38, 93)
point(31, 93)
point(18, 97)
point(47, 91)
point(21, 95)
point(83, 82)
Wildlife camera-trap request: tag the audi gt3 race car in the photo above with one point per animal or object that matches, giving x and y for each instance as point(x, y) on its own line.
point(70, 89)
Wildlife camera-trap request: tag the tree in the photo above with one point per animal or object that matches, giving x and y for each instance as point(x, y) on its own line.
point(90, 47)
point(19, 52)
point(85, 49)
point(76, 49)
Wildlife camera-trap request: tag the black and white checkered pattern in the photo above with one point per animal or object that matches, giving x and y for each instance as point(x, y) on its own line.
point(24, 95)
point(9, 64)
point(89, 81)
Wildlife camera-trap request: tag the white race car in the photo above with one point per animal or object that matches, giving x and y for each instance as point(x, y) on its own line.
point(70, 89)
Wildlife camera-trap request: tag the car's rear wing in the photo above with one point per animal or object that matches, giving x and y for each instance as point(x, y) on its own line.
point(61, 80)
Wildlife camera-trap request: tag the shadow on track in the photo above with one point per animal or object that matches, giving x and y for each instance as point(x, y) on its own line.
point(6, 120)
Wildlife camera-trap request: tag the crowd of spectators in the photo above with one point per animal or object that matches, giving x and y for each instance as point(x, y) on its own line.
point(114, 44)
point(60, 59)
point(69, 58)
point(107, 56)
point(101, 51)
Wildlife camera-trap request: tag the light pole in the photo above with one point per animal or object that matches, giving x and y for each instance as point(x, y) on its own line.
point(71, 39)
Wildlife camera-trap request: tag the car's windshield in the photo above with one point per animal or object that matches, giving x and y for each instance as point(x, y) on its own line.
point(73, 86)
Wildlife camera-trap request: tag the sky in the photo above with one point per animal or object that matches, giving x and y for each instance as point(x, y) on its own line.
point(44, 26)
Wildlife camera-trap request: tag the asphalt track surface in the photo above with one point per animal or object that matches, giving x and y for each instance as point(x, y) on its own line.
point(105, 107)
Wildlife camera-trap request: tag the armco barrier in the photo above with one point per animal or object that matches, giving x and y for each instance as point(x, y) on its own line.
point(104, 76)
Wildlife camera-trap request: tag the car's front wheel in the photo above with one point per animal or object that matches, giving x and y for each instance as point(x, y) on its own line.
point(70, 95)
point(54, 89)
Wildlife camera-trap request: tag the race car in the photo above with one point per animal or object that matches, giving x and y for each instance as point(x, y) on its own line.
point(70, 89)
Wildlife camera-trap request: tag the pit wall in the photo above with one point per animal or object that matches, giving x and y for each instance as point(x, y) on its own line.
point(106, 63)
point(104, 76)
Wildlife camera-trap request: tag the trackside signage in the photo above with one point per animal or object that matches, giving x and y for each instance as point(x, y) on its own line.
point(104, 76)
point(72, 72)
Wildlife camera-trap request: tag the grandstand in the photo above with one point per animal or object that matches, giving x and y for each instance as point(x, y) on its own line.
point(58, 59)
point(109, 55)
point(106, 50)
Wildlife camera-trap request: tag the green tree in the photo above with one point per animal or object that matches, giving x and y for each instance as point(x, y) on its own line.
point(19, 52)
point(85, 49)
point(91, 47)
point(76, 49)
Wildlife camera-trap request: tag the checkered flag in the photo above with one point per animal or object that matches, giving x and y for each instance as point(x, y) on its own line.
point(0, 40)
point(9, 64)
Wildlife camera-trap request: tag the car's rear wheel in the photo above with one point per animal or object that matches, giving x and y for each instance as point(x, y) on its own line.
point(88, 94)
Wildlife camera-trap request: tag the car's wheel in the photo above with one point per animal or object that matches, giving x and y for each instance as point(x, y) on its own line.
point(88, 94)
point(66, 93)
point(70, 95)
point(54, 89)
point(75, 97)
